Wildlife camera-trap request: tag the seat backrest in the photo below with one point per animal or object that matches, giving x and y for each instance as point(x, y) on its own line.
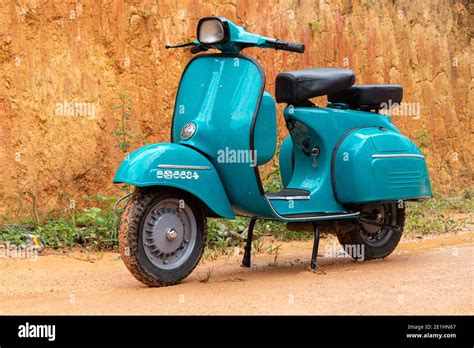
point(369, 97)
point(296, 87)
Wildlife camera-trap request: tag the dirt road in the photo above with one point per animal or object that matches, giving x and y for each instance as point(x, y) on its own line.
point(423, 276)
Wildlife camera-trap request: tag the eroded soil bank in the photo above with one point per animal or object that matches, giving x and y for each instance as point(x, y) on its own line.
point(64, 64)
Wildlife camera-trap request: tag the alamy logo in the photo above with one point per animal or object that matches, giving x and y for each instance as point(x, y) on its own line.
point(75, 109)
point(228, 155)
point(401, 109)
point(356, 251)
point(37, 331)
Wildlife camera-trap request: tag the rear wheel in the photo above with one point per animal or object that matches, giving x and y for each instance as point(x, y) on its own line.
point(162, 235)
point(377, 231)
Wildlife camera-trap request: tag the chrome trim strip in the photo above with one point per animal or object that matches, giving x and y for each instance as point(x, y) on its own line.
point(179, 166)
point(309, 218)
point(288, 198)
point(398, 155)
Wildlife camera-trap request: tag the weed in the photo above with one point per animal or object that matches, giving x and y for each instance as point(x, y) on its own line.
point(208, 275)
point(95, 227)
point(439, 214)
point(275, 250)
point(147, 13)
point(124, 131)
point(314, 27)
point(258, 244)
point(421, 139)
point(211, 253)
point(272, 180)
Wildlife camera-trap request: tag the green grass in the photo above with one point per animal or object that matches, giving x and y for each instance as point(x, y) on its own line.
point(439, 214)
point(95, 227)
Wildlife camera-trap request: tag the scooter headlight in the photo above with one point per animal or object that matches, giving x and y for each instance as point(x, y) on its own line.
point(213, 31)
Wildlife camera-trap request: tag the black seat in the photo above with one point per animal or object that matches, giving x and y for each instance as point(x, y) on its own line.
point(368, 97)
point(296, 87)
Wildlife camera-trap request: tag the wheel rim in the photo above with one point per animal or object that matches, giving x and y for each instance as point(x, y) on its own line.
point(169, 233)
point(375, 215)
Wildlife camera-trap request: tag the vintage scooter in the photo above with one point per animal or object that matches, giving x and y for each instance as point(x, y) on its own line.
point(344, 167)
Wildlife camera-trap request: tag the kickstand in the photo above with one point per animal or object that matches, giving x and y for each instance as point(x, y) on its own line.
point(248, 244)
point(314, 256)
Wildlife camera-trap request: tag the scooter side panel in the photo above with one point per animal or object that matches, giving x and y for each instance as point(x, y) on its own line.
point(265, 133)
point(175, 165)
point(373, 165)
point(286, 161)
point(312, 127)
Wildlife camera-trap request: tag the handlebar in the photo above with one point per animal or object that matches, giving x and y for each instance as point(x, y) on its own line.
point(187, 44)
point(198, 48)
point(234, 39)
point(269, 43)
point(286, 46)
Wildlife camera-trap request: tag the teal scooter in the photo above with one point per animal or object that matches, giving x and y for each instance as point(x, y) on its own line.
point(344, 167)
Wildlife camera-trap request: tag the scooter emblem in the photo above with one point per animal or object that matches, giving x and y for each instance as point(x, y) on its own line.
point(188, 130)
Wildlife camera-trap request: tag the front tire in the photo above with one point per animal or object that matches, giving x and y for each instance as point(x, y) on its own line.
point(162, 235)
point(377, 232)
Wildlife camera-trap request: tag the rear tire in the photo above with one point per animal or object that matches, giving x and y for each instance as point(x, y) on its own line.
point(369, 238)
point(162, 235)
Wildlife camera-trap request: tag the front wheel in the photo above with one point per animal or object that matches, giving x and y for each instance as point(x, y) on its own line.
point(377, 232)
point(162, 235)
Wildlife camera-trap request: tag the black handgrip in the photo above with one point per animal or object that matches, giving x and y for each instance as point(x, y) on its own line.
point(296, 47)
point(197, 49)
point(287, 46)
point(187, 44)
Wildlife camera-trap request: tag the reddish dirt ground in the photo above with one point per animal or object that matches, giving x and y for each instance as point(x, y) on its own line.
point(433, 275)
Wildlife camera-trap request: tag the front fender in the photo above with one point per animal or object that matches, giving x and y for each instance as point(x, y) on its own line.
point(174, 165)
